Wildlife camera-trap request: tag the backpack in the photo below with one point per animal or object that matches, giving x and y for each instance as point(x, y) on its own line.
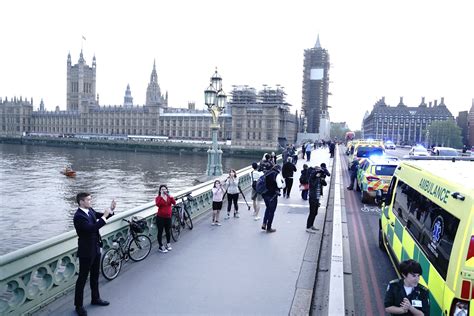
point(261, 185)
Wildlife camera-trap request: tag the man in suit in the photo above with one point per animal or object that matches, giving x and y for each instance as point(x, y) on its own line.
point(87, 223)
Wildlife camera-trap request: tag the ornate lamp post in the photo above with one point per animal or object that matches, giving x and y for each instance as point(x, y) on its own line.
point(215, 99)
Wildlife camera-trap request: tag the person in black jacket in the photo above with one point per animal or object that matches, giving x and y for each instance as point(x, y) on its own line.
point(406, 296)
point(270, 197)
point(304, 182)
point(287, 172)
point(316, 183)
point(87, 223)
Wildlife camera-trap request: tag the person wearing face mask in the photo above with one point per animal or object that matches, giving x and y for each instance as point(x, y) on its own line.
point(232, 186)
point(406, 296)
point(163, 217)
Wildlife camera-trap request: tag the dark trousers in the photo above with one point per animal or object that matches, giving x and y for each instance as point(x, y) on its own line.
point(271, 202)
point(308, 155)
point(313, 211)
point(353, 177)
point(163, 223)
point(288, 185)
point(232, 198)
point(87, 265)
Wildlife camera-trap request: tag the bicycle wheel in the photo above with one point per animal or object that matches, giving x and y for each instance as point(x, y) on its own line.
point(111, 263)
point(139, 247)
point(175, 227)
point(187, 219)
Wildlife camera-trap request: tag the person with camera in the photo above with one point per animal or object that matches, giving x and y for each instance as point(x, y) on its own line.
point(406, 296)
point(316, 183)
point(273, 183)
point(164, 202)
point(87, 223)
point(232, 190)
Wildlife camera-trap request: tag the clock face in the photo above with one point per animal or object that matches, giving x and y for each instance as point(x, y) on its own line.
point(316, 74)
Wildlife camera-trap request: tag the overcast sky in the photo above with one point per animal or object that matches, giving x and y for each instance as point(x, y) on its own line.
point(377, 48)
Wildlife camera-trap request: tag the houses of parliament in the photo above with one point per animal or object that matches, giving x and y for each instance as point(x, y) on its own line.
point(251, 119)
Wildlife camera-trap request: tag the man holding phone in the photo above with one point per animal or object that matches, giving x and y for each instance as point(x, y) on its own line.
point(87, 223)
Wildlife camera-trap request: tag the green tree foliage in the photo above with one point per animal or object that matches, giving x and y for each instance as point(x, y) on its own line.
point(445, 133)
point(338, 131)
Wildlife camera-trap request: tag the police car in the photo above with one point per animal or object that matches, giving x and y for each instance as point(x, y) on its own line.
point(375, 174)
point(428, 216)
point(365, 149)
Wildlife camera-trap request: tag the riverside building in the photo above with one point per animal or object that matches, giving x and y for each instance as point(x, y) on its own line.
point(84, 116)
point(403, 124)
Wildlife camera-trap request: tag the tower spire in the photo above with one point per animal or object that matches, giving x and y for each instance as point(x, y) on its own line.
point(318, 44)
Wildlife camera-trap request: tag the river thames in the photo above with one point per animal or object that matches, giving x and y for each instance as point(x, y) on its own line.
point(38, 202)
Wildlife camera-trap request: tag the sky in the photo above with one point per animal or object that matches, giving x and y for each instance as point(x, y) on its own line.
point(377, 48)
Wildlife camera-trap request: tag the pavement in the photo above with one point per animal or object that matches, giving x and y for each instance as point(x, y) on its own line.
point(233, 269)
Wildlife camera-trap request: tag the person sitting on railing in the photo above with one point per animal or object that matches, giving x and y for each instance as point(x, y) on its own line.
point(163, 217)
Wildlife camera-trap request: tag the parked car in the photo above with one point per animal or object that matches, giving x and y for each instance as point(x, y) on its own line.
point(418, 151)
point(390, 145)
point(444, 151)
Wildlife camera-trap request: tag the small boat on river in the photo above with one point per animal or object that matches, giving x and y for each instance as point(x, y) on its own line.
point(69, 173)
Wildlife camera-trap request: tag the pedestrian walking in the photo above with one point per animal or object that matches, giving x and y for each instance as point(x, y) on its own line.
point(406, 296)
point(303, 150)
point(332, 148)
point(256, 198)
point(87, 223)
point(308, 151)
point(304, 184)
point(273, 184)
point(354, 167)
point(325, 174)
point(316, 183)
point(266, 163)
point(164, 201)
point(232, 190)
point(217, 197)
point(287, 172)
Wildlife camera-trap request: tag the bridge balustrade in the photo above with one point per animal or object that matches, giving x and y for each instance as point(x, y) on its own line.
point(34, 276)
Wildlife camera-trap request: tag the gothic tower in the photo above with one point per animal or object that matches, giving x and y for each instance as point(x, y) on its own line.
point(81, 84)
point(128, 99)
point(316, 88)
point(153, 92)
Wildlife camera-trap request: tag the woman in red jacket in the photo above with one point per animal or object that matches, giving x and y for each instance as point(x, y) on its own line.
point(163, 217)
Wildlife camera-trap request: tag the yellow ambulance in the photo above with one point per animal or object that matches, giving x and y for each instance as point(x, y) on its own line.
point(428, 216)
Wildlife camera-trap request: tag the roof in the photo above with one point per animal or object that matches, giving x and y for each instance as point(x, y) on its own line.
point(460, 172)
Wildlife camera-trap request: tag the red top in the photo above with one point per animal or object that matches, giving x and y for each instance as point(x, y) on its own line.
point(164, 207)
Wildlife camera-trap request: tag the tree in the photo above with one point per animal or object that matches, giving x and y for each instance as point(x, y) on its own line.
point(338, 130)
point(445, 133)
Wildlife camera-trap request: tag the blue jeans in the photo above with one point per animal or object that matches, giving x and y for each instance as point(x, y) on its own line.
point(271, 202)
point(308, 155)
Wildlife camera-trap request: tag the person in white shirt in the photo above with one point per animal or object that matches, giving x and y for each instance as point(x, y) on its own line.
point(217, 197)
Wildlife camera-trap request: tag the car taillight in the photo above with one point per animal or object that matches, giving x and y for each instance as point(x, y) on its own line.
point(470, 251)
point(459, 308)
point(371, 178)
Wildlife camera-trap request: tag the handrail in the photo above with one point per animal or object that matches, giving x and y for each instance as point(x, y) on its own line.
point(37, 274)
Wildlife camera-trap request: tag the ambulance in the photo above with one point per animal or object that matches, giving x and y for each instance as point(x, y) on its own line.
point(428, 216)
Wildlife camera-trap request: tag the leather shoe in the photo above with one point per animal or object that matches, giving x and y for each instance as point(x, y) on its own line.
point(100, 302)
point(271, 230)
point(81, 311)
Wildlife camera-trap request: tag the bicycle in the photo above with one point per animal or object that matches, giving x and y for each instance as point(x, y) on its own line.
point(180, 217)
point(136, 247)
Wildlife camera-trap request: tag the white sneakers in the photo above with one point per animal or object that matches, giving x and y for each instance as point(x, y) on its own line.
point(162, 249)
point(168, 247)
point(312, 229)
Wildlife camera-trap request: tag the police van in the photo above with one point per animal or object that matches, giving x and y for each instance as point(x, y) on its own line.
point(428, 216)
point(365, 149)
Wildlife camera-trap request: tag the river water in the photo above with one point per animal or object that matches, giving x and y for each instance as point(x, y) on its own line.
point(38, 202)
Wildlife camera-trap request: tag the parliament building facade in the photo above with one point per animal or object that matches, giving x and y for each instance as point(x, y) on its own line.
point(258, 125)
